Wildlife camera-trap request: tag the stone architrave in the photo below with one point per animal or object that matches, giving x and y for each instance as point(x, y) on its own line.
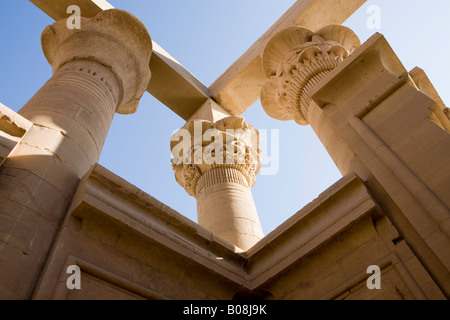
point(217, 164)
point(98, 70)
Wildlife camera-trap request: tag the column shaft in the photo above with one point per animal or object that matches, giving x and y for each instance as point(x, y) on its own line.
point(71, 113)
point(225, 206)
point(98, 70)
point(222, 181)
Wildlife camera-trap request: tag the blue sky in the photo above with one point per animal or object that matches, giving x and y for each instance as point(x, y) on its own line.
point(207, 36)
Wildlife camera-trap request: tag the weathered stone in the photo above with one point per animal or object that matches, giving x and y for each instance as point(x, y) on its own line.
point(385, 128)
point(98, 70)
point(217, 164)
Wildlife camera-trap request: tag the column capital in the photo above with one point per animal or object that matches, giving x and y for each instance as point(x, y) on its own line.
point(296, 59)
point(230, 144)
point(115, 39)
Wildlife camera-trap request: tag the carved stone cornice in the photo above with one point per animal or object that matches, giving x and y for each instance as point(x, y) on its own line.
point(295, 60)
point(228, 148)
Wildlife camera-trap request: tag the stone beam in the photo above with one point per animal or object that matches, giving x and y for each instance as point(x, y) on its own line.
point(12, 128)
point(175, 86)
point(171, 83)
point(57, 9)
point(239, 87)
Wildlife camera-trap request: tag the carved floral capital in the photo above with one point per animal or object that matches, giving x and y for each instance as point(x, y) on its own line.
point(113, 38)
point(201, 146)
point(295, 60)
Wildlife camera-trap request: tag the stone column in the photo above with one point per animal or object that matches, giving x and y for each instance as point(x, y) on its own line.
point(217, 164)
point(295, 61)
point(374, 121)
point(98, 70)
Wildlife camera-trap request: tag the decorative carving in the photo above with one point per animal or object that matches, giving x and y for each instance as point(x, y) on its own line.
point(201, 146)
point(295, 60)
point(113, 38)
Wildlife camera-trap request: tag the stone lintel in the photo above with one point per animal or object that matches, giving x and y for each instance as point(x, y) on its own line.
point(57, 9)
point(107, 200)
point(171, 83)
point(340, 206)
point(12, 128)
point(174, 86)
point(239, 87)
point(117, 199)
point(12, 122)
